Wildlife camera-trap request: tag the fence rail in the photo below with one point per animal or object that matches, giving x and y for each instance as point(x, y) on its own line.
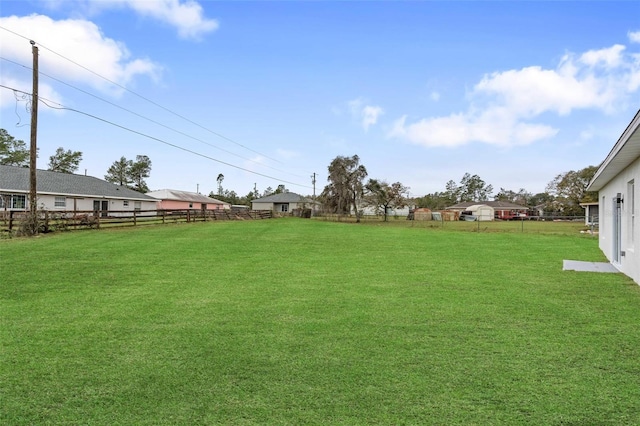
point(48, 221)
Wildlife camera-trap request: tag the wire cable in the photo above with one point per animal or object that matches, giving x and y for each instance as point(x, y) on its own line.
point(146, 118)
point(44, 101)
point(142, 97)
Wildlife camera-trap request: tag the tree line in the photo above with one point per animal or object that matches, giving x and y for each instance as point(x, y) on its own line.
point(347, 190)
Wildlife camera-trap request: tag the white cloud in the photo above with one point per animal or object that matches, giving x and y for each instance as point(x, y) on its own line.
point(610, 57)
point(81, 42)
point(460, 129)
point(186, 16)
point(634, 37)
point(504, 104)
point(367, 115)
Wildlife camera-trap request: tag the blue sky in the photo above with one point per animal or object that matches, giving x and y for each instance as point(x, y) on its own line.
point(268, 93)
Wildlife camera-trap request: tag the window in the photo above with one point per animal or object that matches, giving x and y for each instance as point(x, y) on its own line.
point(190, 205)
point(60, 202)
point(18, 201)
point(284, 208)
point(125, 203)
point(13, 201)
point(137, 205)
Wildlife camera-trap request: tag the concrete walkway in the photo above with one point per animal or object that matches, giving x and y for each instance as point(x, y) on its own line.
point(577, 265)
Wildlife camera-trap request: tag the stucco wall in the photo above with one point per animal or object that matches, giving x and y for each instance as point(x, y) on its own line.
point(261, 206)
point(630, 241)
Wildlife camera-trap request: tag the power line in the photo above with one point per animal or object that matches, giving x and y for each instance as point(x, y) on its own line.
point(142, 97)
point(61, 107)
point(148, 119)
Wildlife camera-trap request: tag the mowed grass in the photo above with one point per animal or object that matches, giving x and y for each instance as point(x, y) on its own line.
point(292, 321)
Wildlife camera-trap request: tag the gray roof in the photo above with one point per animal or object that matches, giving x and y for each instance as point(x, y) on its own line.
point(175, 195)
point(284, 197)
point(17, 179)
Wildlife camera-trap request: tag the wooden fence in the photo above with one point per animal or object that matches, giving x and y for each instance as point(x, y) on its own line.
point(49, 221)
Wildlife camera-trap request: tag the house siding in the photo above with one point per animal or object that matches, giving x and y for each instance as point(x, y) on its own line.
point(629, 264)
point(77, 203)
point(261, 206)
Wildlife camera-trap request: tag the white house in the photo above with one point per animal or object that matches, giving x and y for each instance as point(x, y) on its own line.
point(68, 192)
point(617, 181)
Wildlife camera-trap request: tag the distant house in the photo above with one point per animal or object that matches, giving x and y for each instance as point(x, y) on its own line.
point(283, 202)
point(172, 199)
point(68, 192)
point(502, 209)
point(617, 181)
point(591, 213)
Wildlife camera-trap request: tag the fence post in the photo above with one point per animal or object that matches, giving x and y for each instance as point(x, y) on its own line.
point(135, 222)
point(10, 220)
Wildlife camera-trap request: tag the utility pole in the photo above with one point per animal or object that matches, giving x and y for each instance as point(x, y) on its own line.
point(33, 204)
point(313, 181)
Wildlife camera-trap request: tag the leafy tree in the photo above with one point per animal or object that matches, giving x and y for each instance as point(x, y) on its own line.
point(540, 198)
point(228, 197)
point(452, 192)
point(570, 189)
point(472, 188)
point(13, 152)
point(129, 173)
point(119, 172)
point(140, 170)
point(345, 188)
point(382, 196)
point(280, 189)
point(436, 200)
point(64, 161)
point(267, 191)
point(521, 197)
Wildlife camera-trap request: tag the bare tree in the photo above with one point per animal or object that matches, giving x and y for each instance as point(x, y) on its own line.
point(219, 179)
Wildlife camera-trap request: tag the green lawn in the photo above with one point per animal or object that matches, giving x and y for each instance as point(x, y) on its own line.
point(292, 321)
